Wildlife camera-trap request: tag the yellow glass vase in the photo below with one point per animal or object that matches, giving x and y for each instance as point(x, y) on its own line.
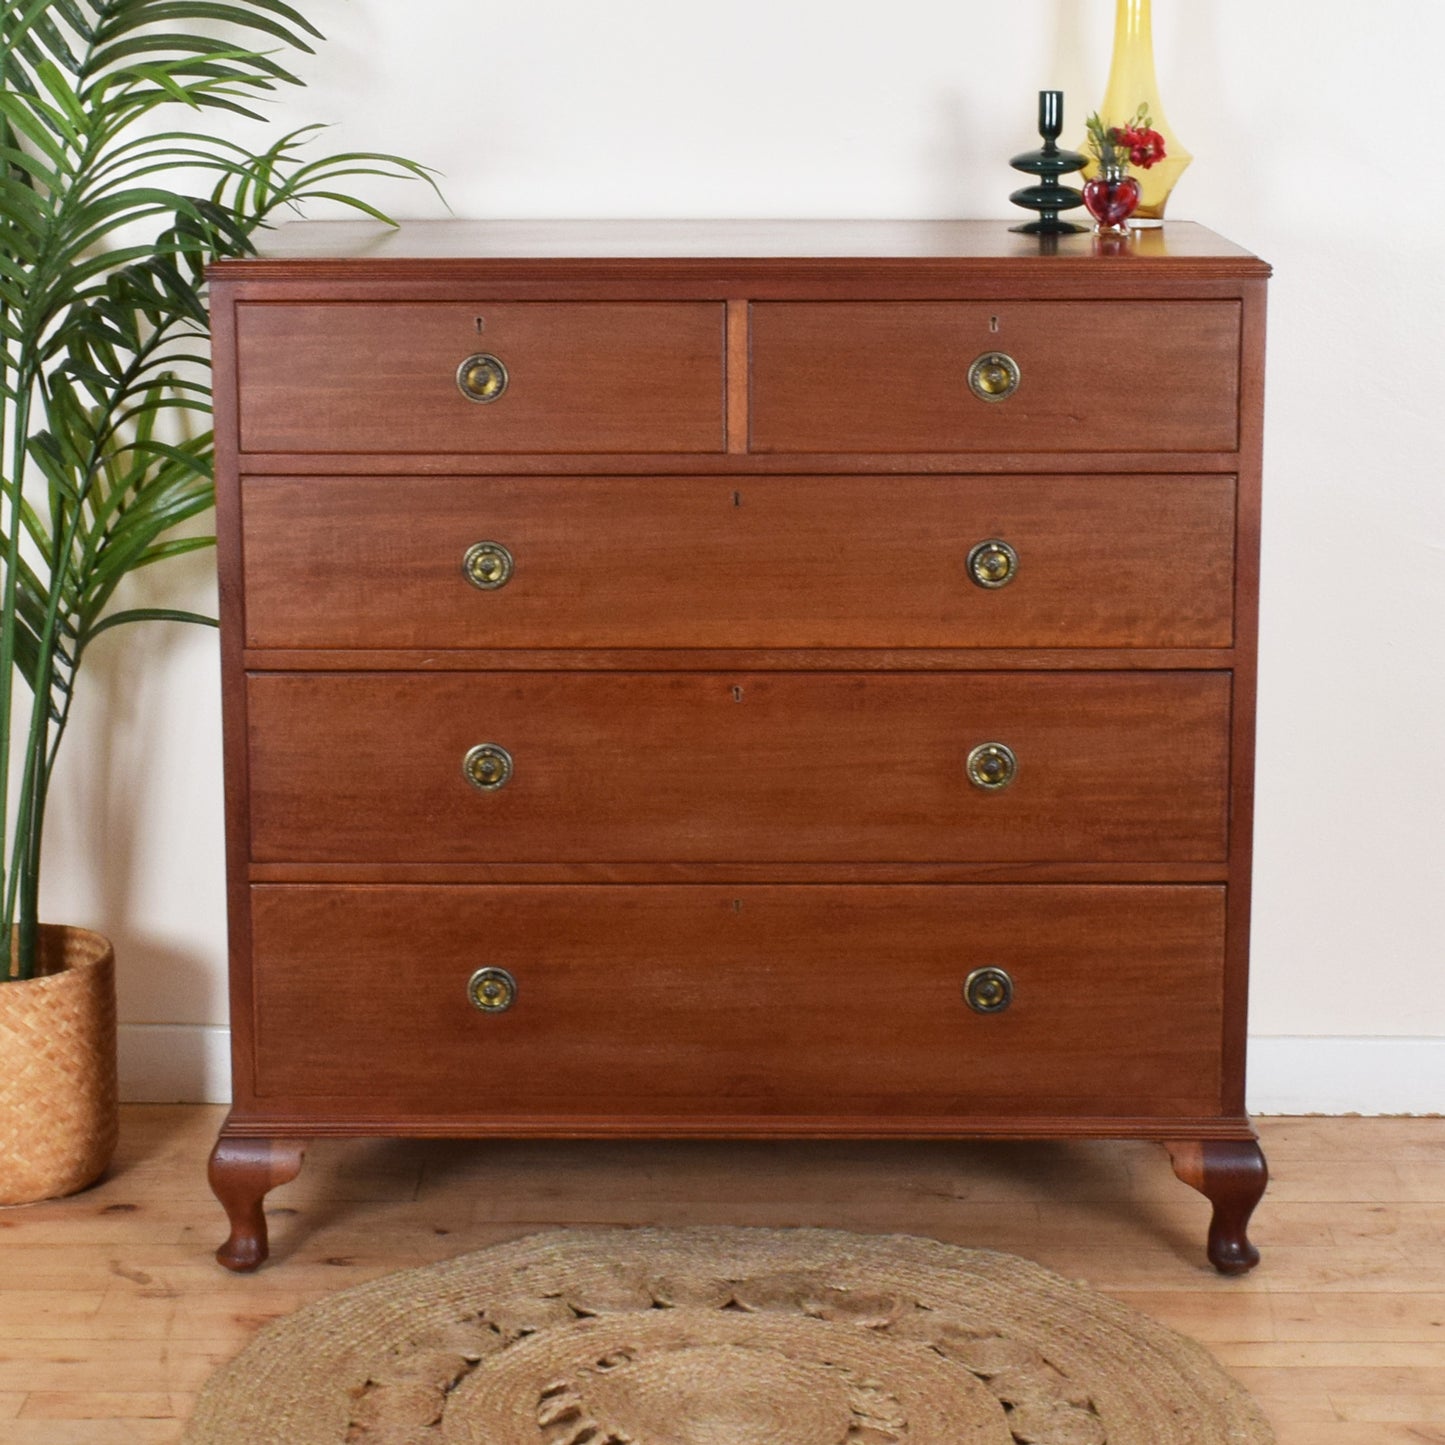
point(1132, 83)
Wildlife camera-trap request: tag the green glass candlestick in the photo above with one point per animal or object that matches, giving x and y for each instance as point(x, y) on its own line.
point(1048, 198)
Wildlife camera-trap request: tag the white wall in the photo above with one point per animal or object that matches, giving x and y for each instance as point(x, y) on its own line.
point(1312, 125)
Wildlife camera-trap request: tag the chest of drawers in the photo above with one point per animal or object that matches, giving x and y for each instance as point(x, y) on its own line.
point(739, 680)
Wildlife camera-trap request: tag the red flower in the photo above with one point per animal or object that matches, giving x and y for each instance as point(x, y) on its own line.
point(1135, 143)
point(1145, 147)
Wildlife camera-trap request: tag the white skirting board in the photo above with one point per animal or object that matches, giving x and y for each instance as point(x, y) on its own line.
point(1298, 1075)
point(175, 1064)
point(191, 1064)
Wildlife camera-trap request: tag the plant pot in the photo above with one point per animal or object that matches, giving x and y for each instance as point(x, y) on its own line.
point(58, 1108)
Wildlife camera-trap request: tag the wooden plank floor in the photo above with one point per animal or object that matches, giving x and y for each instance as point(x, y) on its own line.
point(112, 1312)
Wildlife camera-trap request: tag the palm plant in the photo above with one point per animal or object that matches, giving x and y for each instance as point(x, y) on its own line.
point(103, 391)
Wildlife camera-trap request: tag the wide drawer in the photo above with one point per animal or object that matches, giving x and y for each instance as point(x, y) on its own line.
point(1099, 561)
point(656, 1003)
point(1093, 376)
point(381, 377)
point(655, 766)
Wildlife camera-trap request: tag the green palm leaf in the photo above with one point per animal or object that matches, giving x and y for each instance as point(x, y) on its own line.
point(105, 449)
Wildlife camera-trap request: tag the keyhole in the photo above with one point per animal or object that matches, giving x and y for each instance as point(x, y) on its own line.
point(481, 324)
point(737, 694)
point(993, 324)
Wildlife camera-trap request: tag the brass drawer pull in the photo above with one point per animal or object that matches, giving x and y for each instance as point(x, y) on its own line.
point(992, 766)
point(487, 565)
point(488, 767)
point(482, 377)
point(988, 990)
point(993, 563)
point(994, 376)
point(492, 990)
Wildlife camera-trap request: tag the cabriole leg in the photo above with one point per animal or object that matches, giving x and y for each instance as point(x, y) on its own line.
point(1231, 1174)
point(242, 1173)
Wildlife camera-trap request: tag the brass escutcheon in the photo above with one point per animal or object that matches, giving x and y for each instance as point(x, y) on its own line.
point(482, 377)
point(994, 376)
point(993, 563)
point(992, 766)
point(492, 990)
point(988, 990)
point(487, 767)
point(487, 565)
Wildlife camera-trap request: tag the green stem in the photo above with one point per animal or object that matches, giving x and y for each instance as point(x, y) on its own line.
point(7, 645)
point(16, 964)
point(28, 863)
point(24, 886)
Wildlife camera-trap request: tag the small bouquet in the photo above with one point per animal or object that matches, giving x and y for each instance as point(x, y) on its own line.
point(1117, 147)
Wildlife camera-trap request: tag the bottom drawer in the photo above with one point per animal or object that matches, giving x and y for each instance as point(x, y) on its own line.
point(667, 1003)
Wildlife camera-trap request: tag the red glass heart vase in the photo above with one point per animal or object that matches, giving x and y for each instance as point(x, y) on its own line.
point(1111, 200)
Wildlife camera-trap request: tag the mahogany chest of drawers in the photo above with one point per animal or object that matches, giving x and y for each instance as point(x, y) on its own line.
point(739, 680)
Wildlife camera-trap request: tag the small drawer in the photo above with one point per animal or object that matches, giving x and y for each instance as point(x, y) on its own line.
point(649, 767)
point(545, 377)
point(798, 562)
point(1078, 376)
point(707, 1003)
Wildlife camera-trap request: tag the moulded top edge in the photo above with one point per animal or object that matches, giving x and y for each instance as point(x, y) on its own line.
point(434, 249)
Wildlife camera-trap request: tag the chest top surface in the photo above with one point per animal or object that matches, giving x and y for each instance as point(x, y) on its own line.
point(358, 249)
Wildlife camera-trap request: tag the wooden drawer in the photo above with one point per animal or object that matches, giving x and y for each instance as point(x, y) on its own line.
point(1095, 376)
point(1114, 561)
point(827, 767)
point(583, 377)
point(642, 1003)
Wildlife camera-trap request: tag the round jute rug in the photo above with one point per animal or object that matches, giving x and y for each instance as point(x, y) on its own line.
point(723, 1337)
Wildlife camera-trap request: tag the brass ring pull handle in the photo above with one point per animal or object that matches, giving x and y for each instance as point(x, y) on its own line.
point(994, 376)
point(487, 767)
point(492, 990)
point(482, 377)
point(993, 564)
point(988, 990)
point(992, 766)
point(487, 565)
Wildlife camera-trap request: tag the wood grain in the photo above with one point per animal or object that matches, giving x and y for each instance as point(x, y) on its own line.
point(643, 376)
point(1242, 725)
point(113, 1312)
point(559, 251)
point(893, 377)
point(740, 469)
point(787, 562)
point(776, 767)
point(769, 1001)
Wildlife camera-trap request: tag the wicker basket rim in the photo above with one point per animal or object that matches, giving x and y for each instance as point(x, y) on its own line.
point(65, 948)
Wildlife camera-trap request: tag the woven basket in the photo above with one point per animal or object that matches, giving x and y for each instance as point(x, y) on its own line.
point(58, 1112)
